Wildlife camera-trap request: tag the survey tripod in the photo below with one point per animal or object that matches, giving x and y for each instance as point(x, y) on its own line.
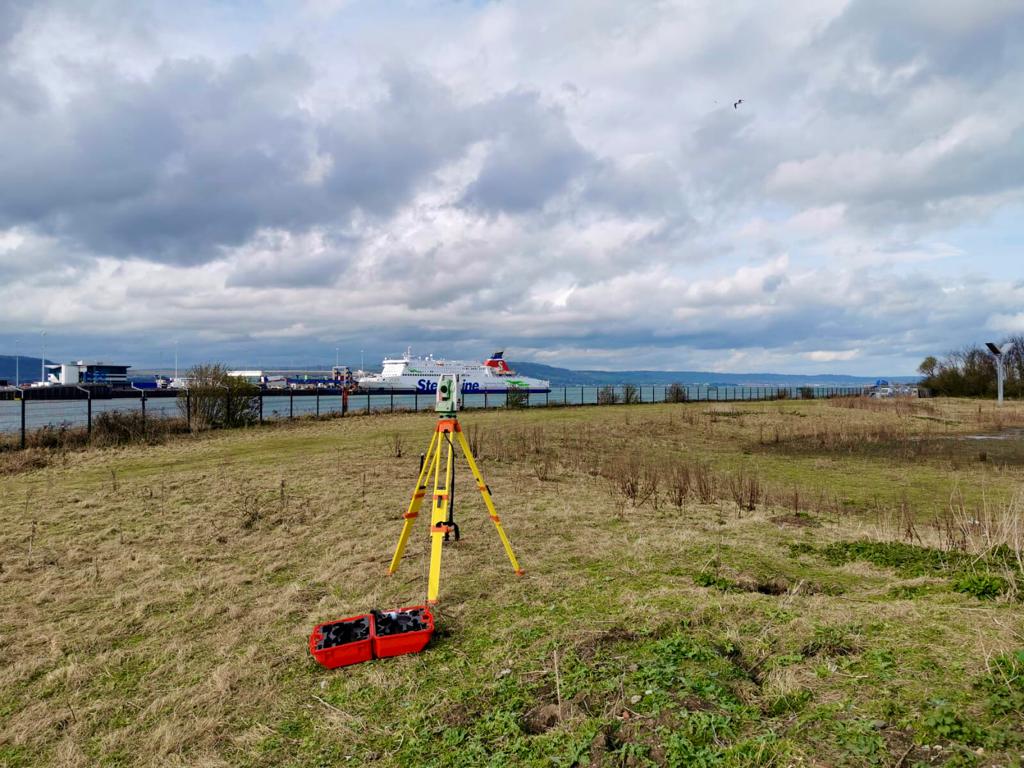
point(447, 432)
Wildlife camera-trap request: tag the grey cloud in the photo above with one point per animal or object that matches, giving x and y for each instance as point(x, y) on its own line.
point(648, 186)
point(976, 40)
point(166, 169)
point(198, 158)
point(19, 90)
point(268, 263)
point(533, 158)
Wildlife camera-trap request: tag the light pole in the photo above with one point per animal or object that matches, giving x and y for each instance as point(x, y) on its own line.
point(998, 353)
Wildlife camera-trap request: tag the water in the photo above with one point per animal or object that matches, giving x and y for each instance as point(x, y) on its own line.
point(73, 413)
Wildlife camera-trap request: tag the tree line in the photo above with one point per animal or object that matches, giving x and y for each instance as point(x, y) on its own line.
point(971, 371)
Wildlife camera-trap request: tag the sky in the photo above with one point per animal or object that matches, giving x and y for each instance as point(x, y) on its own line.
point(282, 183)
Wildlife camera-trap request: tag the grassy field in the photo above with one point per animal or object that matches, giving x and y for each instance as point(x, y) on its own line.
point(790, 583)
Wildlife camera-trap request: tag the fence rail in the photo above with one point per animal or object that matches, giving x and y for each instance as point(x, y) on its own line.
point(23, 412)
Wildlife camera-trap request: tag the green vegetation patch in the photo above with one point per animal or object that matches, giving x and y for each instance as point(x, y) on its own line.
point(969, 574)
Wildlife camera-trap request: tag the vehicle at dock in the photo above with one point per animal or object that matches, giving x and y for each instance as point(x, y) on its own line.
point(410, 373)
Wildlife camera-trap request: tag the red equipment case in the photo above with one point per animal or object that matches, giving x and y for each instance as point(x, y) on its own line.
point(346, 653)
point(404, 642)
point(374, 646)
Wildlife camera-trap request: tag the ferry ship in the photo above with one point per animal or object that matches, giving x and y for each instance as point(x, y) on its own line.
point(420, 374)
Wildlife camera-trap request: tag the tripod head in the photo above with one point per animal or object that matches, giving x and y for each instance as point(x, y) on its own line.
point(449, 395)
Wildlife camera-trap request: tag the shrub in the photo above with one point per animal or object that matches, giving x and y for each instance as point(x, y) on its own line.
point(517, 398)
point(58, 437)
point(806, 393)
point(215, 399)
point(630, 394)
point(607, 395)
point(124, 427)
point(676, 393)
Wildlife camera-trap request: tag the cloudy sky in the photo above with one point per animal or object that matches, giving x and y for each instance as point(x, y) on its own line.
point(269, 182)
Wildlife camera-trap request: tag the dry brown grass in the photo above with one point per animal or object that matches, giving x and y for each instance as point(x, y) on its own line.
point(155, 600)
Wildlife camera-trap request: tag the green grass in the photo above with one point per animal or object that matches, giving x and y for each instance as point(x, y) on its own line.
point(163, 613)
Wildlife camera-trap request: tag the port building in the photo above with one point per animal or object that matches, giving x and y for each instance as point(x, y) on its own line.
point(70, 374)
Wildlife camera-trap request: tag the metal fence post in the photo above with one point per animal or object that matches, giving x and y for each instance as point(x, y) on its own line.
point(416, 401)
point(367, 401)
point(88, 409)
point(291, 403)
point(22, 392)
point(261, 405)
point(392, 399)
point(318, 401)
point(485, 399)
point(188, 409)
point(143, 398)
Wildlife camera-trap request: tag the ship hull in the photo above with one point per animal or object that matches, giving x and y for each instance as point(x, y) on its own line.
point(427, 385)
point(419, 375)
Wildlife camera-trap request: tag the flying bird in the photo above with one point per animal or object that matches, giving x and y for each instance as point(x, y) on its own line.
point(736, 105)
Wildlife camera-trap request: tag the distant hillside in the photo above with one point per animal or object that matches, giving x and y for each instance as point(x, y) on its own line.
point(28, 367)
point(561, 377)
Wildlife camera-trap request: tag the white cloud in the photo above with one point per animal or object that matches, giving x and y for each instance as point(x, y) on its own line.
point(831, 355)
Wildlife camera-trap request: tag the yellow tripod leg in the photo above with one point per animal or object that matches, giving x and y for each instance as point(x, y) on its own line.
point(486, 493)
point(442, 498)
point(415, 503)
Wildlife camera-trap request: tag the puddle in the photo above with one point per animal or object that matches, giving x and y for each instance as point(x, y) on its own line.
point(1014, 433)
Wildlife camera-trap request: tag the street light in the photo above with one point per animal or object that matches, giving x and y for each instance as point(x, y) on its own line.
point(998, 353)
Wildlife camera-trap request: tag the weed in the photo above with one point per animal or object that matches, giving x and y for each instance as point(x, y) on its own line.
point(861, 739)
point(833, 640)
point(706, 579)
point(984, 586)
point(704, 483)
point(907, 559)
point(943, 721)
point(544, 469)
point(1003, 685)
point(746, 490)
point(678, 482)
point(794, 701)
